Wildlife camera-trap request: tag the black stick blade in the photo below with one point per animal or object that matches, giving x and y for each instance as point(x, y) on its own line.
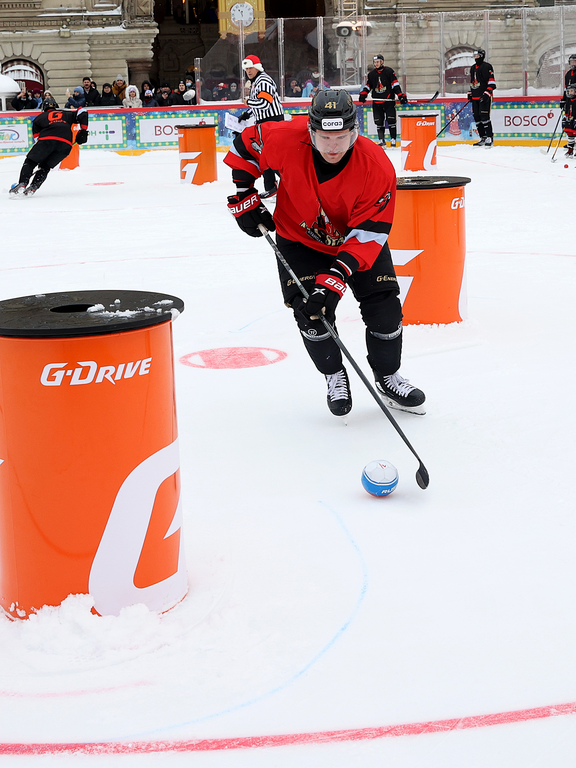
point(422, 477)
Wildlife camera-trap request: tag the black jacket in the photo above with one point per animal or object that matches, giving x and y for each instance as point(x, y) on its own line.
point(383, 84)
point(57, 124)
point(481, 80)
point(27, 103)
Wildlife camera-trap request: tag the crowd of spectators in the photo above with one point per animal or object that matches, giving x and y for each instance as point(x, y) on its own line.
point(123, 94)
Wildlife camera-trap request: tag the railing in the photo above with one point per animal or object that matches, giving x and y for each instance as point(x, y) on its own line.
point(528, 48)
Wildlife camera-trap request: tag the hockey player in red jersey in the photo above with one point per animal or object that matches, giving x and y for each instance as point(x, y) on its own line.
point(53, 129)
point(334, 211)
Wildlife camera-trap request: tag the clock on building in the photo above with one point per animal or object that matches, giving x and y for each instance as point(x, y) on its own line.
point(250, 13)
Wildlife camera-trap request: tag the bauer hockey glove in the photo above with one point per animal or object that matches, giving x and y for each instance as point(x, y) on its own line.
point(82, 136)
point(245, 116)
point(403, 99)
point(362, 98)
point(329, 288)
point(250, 211)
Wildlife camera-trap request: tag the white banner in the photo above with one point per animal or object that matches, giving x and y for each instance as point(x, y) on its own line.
point(160, 130)
point(523, 119)
point(13, 136)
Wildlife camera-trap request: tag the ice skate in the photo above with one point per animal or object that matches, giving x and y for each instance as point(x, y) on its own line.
point(393, 144)
point(489, 142)
point(30, 191)
point(398, 393)
point(339, 398)
point(569, 151)
point(480, 143)
point(17, 189)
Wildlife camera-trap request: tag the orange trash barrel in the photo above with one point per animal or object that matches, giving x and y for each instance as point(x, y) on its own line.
point(197, 149)
point(418, 140)
point(428, 244)
point(89, 463)
point(73, 160)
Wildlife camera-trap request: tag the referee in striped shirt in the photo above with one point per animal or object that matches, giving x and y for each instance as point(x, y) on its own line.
point(264, 105)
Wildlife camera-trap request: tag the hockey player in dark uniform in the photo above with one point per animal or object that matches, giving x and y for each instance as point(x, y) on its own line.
point(569, 118)
point(333, 213)
point(53, 131)
point(569, 77)
point(384, 86)
point(482, 85)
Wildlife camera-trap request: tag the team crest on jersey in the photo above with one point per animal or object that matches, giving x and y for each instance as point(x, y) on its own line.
point(323, 231)
point(383, 202)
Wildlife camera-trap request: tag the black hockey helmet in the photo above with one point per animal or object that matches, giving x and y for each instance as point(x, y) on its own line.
point(572, 58)
point(332, 110)
point(571, 91)
point(378, 57)
point(480, 53)
point(49, 104)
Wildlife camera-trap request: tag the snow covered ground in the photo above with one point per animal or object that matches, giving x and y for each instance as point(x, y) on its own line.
point(430, 629)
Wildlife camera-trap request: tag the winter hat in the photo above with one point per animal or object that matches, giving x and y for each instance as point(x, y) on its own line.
point(252, 61)
point(132, 89)
point(120, 77)
point(148, 93)
point(79, 89)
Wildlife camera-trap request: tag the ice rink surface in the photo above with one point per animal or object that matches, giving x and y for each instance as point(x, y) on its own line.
point(323, 627)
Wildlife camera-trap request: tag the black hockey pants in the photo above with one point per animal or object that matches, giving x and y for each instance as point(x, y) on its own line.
point(376, 291)
point(384, 111)
point(46, 155)
point(481, 114)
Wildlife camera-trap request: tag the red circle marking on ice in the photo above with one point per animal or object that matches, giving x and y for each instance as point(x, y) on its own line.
point(103, 183)
point(233, 357)
point(289, 739)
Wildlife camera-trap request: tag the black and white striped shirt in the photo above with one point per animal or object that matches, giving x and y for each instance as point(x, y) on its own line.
point(263, 100)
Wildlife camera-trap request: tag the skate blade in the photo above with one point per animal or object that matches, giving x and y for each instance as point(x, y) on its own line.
point(419, 410)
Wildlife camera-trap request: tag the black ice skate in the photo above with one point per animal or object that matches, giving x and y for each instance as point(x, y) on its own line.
point(392, 143)
point(398, 393)
point(339, 398)
point(31, 190)
point(569, 151)
point(480, 143)
point(489, 142)
point(17, 189)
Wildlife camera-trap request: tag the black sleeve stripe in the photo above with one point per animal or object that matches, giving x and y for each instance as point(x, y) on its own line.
point(381, 227)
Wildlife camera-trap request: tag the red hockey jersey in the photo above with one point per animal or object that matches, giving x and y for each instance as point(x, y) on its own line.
point(351, 212)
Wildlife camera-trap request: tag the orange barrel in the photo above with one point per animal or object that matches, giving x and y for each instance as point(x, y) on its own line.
point(197, 148)
point(89, 467)
point(73, 160)
point(418, 140)
point(428, 244)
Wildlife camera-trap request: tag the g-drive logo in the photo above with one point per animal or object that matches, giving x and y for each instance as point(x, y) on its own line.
point(88, 372)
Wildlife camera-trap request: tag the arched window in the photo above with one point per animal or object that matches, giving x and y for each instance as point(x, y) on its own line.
point(25, 73)
point(457, 63)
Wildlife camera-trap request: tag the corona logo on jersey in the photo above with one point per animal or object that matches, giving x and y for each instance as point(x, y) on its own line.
point(89, 471)
point(418, 141)
point(428, 247)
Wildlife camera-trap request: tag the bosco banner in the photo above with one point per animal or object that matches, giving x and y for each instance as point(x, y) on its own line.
point(428, 244)
point(89, 468)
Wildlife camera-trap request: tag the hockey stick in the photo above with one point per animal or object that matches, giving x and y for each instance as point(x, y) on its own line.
point(422, 477)
point(545, 151)
point(449, 121)
point(553, 158)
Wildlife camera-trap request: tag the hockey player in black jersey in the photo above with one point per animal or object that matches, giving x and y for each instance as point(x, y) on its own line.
point(482, 84)
point(384, 86)
point(53, 131)
point(569, 118)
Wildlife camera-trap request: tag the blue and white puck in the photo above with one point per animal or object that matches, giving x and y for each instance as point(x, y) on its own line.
point(379, 477)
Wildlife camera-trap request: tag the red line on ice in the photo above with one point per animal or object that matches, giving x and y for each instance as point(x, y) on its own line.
point(288, 739)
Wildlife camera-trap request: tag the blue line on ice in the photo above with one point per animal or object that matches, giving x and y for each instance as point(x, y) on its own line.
point(304, 669)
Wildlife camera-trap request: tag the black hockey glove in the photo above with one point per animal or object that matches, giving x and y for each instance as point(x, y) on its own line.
point(82, 136)
point(402, 98)
point(362, 98)
point(250, 211)
point(469, 96)
point(245, 116)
